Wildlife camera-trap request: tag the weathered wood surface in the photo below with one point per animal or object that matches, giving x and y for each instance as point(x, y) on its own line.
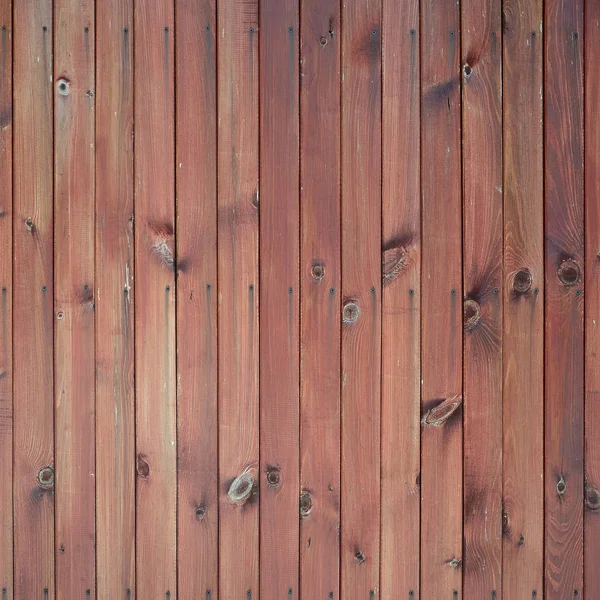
point(115, 301)
point(523, 291)
point(155, 263)
point(441, 306)
point(292, 299)
point(33, 301)
point(564, 273)
point(6, 296)
point(401, 306)
point(196, 239)
point(481, 34)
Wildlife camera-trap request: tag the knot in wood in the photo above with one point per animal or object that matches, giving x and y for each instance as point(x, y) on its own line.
point(471, 314)
point(46, 477)
point(439, 414)
point(467, 71)
point(359, 557)
point(305, 503)
point(569, 273)
point(200, 513)
point(63, 86)
point(142, 467)
point(561, 487)
point(317, 271)
point(29, 224)
point(273, 477)
point(522, 281)
point(323, 41)
point(455, 562)
point(592, 498)
point(241, 488)
point(350, 312)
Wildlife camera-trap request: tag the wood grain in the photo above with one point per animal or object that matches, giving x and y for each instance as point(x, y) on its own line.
point(564, 253)
point(115, 386)
point(361, 299)
point(401, 305)
point(320, 113)
point(280, 299)
point(481, 37)
point(156, 444)
point(74, 298)
point(523, 326)
point(6, 343)
point(591, 536)
point(441, 308)
point(196, 238)
point(33, 314)
point(238, 200)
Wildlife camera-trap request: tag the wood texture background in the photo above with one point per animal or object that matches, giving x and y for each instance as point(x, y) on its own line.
point(299, 299)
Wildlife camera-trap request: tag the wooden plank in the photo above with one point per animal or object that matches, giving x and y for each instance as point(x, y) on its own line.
point(321, 280)
point(33, 314)
point(74, 297)
point(564, 253)
point(6, 381)
point(401, 306)
point(156, 491)
point(361, 298)
point(523, 326)
point(115, 418)
point(591, 534)
point(441, 308)
point(280, 299)
point(481, 37)
point(238, 297)
point(198, 511)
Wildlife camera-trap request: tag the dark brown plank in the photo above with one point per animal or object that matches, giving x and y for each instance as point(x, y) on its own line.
point(401, 305)
point(156, 492)
point(321, 279)
point(74, 297)
point(238, 58)
point(197, 460)
point(6, 382)
point(280, 299)
point(564, 341)
point(361, 298)
point(441, 316)
point(481, 37)
point(591, 534)
point(523, 330)
point(115, 387)
point(33, 314)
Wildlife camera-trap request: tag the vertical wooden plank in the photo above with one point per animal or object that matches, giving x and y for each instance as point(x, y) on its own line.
point(115, 418)
point(523, 332)
point(481, 37)
point(401, 305)
point(238, 297)
point(156, 491)
point(564, 341)
point(74, 355)
point(6, 382)
point(321, 280)
point(361, 302)
point(441, 308)
point(33, 314)
point(196, 172)
point(280, 298)
point(591, 534)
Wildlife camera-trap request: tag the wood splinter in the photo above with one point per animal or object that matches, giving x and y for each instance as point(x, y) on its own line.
point(241, 487)
point(439, 414)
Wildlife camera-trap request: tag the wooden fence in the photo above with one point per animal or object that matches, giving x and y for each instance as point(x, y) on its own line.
point(300, 299)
